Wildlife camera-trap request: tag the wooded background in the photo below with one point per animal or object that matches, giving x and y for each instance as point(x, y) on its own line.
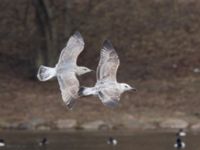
point(158, 42)
point(152, 36)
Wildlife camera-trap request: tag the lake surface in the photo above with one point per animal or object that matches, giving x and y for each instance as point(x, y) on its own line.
point(96, 140)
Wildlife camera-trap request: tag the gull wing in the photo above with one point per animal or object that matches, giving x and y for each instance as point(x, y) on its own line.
point(74, 47)
point(69, 86)
point(109, 97)
point(108, 64)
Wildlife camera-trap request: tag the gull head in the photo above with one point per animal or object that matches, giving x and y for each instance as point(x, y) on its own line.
point(126, 87)
point(83, 70)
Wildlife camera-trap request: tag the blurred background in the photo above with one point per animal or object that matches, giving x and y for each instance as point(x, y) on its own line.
point(158, 43)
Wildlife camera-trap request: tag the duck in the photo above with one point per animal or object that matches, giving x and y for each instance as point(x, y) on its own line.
point(43, 142)
point(181, 133)
point(179, 144)
point(2, 143)
point(112, 141)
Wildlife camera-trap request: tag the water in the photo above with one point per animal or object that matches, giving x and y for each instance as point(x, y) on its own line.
point(96, 140)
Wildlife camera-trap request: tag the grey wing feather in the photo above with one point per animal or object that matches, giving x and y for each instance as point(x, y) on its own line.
point(109, 98)
point(109, 62)
point(74, 47)
point(71, 103)
point(110, 103)
point(69, 87)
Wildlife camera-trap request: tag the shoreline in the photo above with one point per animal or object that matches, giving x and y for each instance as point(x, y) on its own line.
point(166, 124)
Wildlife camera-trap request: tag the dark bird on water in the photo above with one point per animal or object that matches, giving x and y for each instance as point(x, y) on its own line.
point(112, 141)
point(179, 143)
point(181, 133)
point(2, 143)
point(43, 142)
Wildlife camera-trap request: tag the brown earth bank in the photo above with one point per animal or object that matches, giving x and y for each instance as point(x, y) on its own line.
point(27, 104)
point(158, 45)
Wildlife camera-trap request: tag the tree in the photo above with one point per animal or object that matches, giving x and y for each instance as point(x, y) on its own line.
point(47, 27)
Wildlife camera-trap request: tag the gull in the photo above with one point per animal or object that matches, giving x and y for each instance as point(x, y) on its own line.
point(107, 88)
point(66, 70)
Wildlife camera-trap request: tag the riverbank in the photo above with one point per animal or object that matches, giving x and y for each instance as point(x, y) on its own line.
point(127, 122)
point(158, 104)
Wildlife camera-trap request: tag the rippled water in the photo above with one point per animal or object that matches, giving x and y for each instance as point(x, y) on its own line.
point(96, 140)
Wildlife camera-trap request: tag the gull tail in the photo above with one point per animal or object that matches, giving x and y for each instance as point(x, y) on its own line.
point(46, 73)
point(86, 91)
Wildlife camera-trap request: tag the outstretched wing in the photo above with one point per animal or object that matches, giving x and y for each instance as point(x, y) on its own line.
point(74, 47)
point(69, 86)
point(108, 64)
point(109, 97)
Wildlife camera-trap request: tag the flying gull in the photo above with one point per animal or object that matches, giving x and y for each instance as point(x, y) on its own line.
point(107, 88)
point(66, 70)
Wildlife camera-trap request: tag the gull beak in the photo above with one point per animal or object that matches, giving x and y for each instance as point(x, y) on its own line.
point(133, 89)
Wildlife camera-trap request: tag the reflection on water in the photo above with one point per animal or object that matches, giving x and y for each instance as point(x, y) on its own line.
point(95, 140)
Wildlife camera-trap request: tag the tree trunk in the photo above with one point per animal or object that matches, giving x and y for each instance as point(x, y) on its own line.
point(68, 21)
point(47, 27)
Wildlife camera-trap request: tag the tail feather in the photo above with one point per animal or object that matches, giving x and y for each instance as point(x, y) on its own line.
point(46, 73)
point(85, 91)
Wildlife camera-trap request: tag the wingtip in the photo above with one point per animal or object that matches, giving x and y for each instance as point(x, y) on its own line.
point(78, 35)
point(108, 45)
point(70, 104)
